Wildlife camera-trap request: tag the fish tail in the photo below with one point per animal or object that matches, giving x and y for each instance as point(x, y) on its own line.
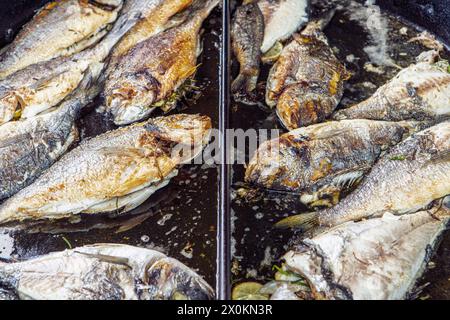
point(304, 221)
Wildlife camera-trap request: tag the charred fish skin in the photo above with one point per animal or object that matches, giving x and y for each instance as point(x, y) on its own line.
point(282, 18)
point(421, 162)
point(103, 272)
point(321, 160)
point(43, 85)
point(387, 254)
point(418, 92)
point(307, 82)
point(155, 68)
point(247, 34)
point(30, 146)
point(61, 28)
point(113, 172)
point(155, 18)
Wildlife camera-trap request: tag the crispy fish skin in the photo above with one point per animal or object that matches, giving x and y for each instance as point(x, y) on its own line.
point(113, 172)
point(247, 34)
point(61, 28)
point(419, 92)
point(42, 86)
point(307, 82)
point(30, 146)
point(102, 272)
point(386, 254)
point(281, 19)
point(154, 69)
point(406, 179)
point(321, 160)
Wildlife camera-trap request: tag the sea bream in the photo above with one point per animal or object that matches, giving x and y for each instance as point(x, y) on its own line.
point(30, 146)
point(420, 92)
point(319, 161)
point(112, 172)
point(60, 28)
point(375, 259)
point(149, 75)
point(406, 179)
point(102, 272)
point(281, 19)
point(43, 85)
point(307, 82)
point(247, 34)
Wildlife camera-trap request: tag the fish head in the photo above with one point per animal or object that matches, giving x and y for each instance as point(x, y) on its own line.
point(7, 294)
point(188, 133)
point(169, 279)
point(130, 99)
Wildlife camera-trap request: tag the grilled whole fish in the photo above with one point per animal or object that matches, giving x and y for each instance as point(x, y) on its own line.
point(375, 259)
point(407, 178)
point(420, 92)
point(307, 82)
point(152, 71)
point(113, 172)
point(41, 86)
point(321, 160)
point(30, 146)
point(281, 19)
point(61, 28)
point(247, 33)
point(102, 272)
